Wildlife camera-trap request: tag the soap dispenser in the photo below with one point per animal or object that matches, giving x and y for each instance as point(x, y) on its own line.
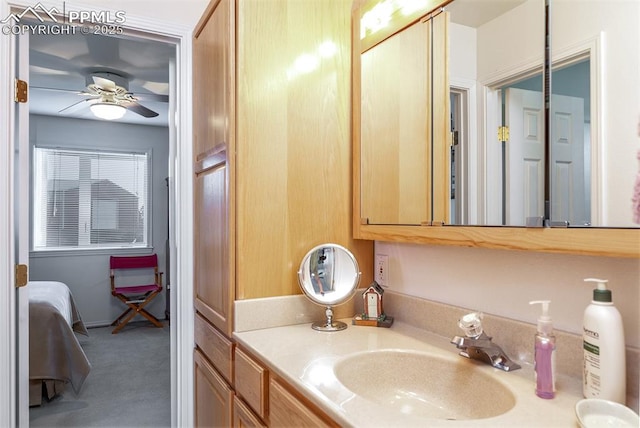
point(604, 371)
point(544, 355)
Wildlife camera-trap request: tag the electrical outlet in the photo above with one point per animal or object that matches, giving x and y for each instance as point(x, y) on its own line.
point(381, 274)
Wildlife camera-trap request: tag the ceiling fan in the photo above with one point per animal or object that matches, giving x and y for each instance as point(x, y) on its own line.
point(107, 95)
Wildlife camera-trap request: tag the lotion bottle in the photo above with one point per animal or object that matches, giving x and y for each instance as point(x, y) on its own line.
point(544, 355)
point(604, 372)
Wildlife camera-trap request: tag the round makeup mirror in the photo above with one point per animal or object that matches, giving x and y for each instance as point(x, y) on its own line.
point(329, 276)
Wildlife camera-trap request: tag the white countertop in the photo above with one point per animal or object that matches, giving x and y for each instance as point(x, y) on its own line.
point(305, 358)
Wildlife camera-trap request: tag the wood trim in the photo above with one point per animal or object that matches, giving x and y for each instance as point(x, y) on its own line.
point(590, 242)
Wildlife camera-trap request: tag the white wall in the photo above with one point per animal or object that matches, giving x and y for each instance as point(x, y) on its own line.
point(516, 38)
point(503, 282)
point(87, 273)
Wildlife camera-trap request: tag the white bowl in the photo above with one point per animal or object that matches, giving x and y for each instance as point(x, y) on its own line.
point(598, 413)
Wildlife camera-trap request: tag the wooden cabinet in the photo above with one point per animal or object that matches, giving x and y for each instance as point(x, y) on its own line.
point(262, 399)
point(243, 416)
point(250, 380)
point(401, 121)
point(213, 293)
point(272, 156)
point(213, 396)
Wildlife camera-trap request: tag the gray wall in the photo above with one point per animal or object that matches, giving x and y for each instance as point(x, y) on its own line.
point(87, 272)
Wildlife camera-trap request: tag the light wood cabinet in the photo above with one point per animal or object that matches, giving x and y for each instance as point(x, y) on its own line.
point(213, 292)
point(287, 410)
point(401, 121)
point(250, 380)
point(213, 396)
point(272, 157)
point(243, 416)
point(263, 398)
point(215, 346)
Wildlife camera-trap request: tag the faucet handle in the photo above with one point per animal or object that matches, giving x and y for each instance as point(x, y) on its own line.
point(471, 324)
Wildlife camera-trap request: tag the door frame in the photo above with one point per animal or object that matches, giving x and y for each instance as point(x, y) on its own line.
point(181, 221)
point(591, 48)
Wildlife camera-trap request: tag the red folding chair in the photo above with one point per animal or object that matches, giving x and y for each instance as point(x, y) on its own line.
point(136, 297)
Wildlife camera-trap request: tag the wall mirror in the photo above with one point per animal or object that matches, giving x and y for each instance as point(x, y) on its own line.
point(329, 276)
point(495, 54)
point(592, 162)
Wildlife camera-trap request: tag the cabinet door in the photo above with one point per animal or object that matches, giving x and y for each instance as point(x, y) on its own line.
point(243, 417)
point(213, 397)
point(213, 291)
point(286, 410)
point(213, 77)
point(395, 129)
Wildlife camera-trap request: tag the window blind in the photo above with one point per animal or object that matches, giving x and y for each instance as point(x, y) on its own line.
point(89, 199)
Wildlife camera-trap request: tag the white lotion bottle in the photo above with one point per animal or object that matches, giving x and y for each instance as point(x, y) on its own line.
point(604, 371)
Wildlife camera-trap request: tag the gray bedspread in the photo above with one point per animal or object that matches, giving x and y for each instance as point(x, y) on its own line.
point(55, 355)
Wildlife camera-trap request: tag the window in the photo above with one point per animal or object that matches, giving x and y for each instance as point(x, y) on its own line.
point(89, 199)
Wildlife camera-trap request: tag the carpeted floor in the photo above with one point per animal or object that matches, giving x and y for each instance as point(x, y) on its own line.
point(129, 384)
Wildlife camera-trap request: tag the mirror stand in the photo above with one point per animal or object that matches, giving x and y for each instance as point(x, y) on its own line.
point(329, 276)
point(329, 324)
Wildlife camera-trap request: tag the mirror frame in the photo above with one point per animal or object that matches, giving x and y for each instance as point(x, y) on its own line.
point(610, 242)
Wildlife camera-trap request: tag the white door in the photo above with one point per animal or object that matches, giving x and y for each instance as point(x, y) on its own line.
point(372, 305)
point(525, 156)
point(567, 160)
point(21, 213)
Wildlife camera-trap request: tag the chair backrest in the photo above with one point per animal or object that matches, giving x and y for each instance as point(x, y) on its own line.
point(119, 263)
point(133, 262)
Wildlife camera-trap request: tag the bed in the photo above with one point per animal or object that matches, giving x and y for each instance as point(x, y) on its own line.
point(55, 355)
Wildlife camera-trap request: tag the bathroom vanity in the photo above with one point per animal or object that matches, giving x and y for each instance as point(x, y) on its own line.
point(398, 376)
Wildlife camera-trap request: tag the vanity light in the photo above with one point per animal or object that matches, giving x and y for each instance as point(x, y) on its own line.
point(108, 110)
point(327, 49)
point(382, 14)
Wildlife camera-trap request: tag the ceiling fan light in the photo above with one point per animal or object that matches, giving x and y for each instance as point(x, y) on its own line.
point(108, 111)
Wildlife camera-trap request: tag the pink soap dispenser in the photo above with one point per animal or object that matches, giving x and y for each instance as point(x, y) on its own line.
point(544, 357)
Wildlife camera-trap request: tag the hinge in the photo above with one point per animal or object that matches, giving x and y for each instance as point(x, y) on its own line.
point(22, 276)
point(22, 91)
point(503, 134)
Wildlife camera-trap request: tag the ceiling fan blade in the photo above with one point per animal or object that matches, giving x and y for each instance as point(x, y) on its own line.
point(138, 108)
point(73, 91)
point(51, 62)
point(104, 50)
point(79, 105)
point(150, 97)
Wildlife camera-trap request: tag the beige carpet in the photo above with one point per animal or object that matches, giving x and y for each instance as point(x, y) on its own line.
point(129, 384)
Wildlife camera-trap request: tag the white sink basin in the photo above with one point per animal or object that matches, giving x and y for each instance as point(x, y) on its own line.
point(424, 385)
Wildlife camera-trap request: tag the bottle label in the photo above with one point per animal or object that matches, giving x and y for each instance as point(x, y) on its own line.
point(591, 387)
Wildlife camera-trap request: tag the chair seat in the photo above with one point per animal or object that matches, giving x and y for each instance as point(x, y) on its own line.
point(138, 289)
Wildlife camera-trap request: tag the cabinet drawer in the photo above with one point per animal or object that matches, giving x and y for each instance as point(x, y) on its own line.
point(286, 410)
point(243, 416)
point(217, 348)
point(251, 382)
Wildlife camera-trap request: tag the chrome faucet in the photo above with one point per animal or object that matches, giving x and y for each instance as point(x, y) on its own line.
point(478, 346)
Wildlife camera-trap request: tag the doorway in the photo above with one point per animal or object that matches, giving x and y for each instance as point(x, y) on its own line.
point(180, 218)
point(69, 75)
